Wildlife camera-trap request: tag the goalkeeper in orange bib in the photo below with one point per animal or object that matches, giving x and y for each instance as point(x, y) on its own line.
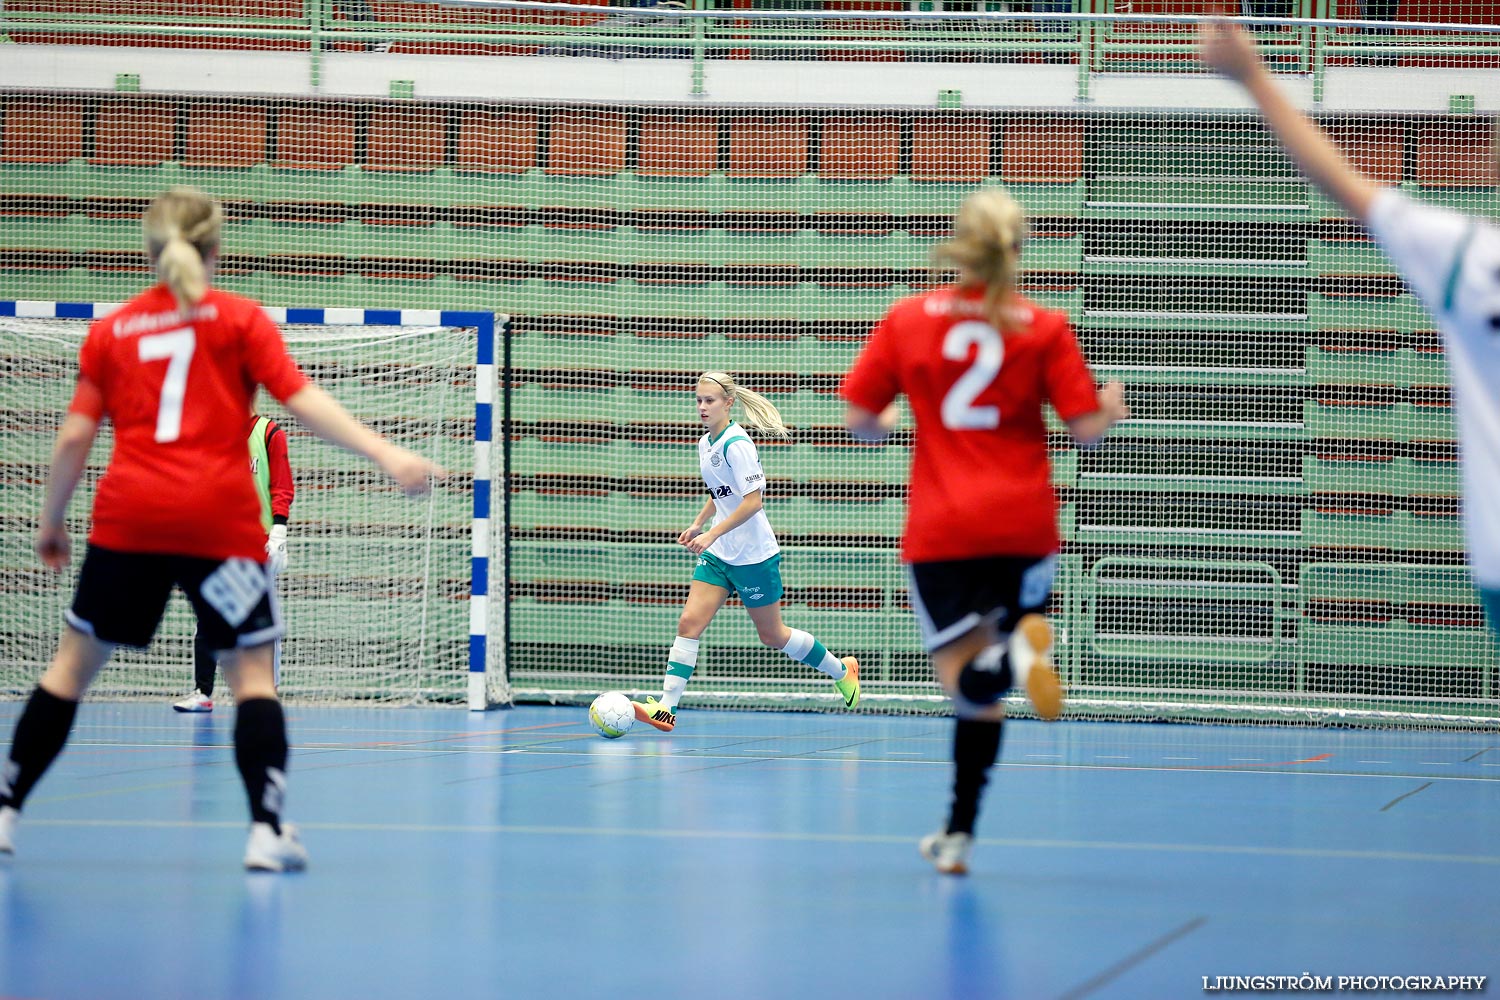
point(271, 470)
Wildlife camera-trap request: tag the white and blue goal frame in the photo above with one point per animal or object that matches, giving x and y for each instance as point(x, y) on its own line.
point(485, 325)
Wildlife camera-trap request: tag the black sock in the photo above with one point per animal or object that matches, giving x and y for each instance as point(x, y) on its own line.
point(976, 745)
point(205, 665)
point(985, 679)
point(260, 752)
point(41, 732)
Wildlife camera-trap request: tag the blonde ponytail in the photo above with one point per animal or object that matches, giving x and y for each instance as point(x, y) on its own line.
point(760, 413)
point(182, 228)
point(986, 248)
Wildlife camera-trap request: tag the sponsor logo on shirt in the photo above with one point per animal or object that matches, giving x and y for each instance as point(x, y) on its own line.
point(716, 460)
point(722, 491)
point(131, 325)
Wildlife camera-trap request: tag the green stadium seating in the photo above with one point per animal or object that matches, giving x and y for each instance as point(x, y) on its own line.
point(1398, 476)
point(1378, 421)
point(1401, 313)
point(1395, 530)
point(1359, 365)
point(626, 235)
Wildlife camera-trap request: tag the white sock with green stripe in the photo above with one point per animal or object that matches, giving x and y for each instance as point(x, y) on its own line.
point(803, 648)
point(680, 665)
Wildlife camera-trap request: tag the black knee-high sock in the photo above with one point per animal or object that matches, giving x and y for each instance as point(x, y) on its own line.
point(260, 751)
point(41, 732)
point(205, 665)
point(976, 746)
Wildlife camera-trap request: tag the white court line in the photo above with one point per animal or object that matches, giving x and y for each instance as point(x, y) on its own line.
point(1104, 756)
point(1179, 758)
point(1372, 762)
point(1252, 759)
point(794, 837)
point(431, 752)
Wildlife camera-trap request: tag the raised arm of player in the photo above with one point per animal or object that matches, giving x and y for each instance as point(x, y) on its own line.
point(1229, 49)
point(327, 418)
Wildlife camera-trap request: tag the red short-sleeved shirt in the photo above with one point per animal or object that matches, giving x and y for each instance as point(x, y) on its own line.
point(178, 389)
point(980, 479)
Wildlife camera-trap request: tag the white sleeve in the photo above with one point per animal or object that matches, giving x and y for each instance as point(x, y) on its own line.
point(744, 462)
point(1426, 244)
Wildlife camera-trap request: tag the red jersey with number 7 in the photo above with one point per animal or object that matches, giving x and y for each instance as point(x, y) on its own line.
point(178, 387)
point(980, 479)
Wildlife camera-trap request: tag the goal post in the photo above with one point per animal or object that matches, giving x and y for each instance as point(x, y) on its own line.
point(387, 599)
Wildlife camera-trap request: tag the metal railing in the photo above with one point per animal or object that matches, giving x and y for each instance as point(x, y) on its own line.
point(1094, 37)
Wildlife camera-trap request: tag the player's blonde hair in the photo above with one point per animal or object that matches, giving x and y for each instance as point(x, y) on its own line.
point(182, 227)
point(986, 247)
point(760, 413)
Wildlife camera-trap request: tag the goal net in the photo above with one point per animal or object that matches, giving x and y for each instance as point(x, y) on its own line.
point(376, 595)
point(652, 193)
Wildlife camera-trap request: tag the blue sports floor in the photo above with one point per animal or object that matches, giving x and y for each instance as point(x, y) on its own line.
point(514, 854)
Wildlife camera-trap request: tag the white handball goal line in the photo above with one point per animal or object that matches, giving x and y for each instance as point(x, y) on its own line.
point(376, 597)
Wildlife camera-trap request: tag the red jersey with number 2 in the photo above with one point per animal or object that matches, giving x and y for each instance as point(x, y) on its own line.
point(980, 480)
point(178, 388)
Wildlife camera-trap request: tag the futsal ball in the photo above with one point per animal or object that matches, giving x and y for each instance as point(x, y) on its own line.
point(612, 715)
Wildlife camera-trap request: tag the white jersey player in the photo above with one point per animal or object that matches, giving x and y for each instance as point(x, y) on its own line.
point(1450, 261)
point(736, 549)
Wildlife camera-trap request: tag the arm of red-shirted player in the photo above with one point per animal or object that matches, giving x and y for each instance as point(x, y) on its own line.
point(1088, 412)
point(1089, 429)
point(870, 426)
point(283, 489)
point(325, 417)
point(270, 365)
point(871, 388)
point(70, 452)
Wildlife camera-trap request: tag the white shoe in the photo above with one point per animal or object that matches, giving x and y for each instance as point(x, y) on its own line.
point(8, 819)
point(195, 702)
point(1031, 662)
point(268, 852)
point(948, 852)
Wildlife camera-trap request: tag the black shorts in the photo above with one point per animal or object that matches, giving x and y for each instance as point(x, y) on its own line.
point(121, 597)
point(954, 596)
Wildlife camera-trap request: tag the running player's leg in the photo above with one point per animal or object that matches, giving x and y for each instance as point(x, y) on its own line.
point(260, 752)
point(958, 605)
point(238, 616)
point(804, 647)
point(42, 730)
point(119, 601)
point(706, 595)
point(976, 747)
